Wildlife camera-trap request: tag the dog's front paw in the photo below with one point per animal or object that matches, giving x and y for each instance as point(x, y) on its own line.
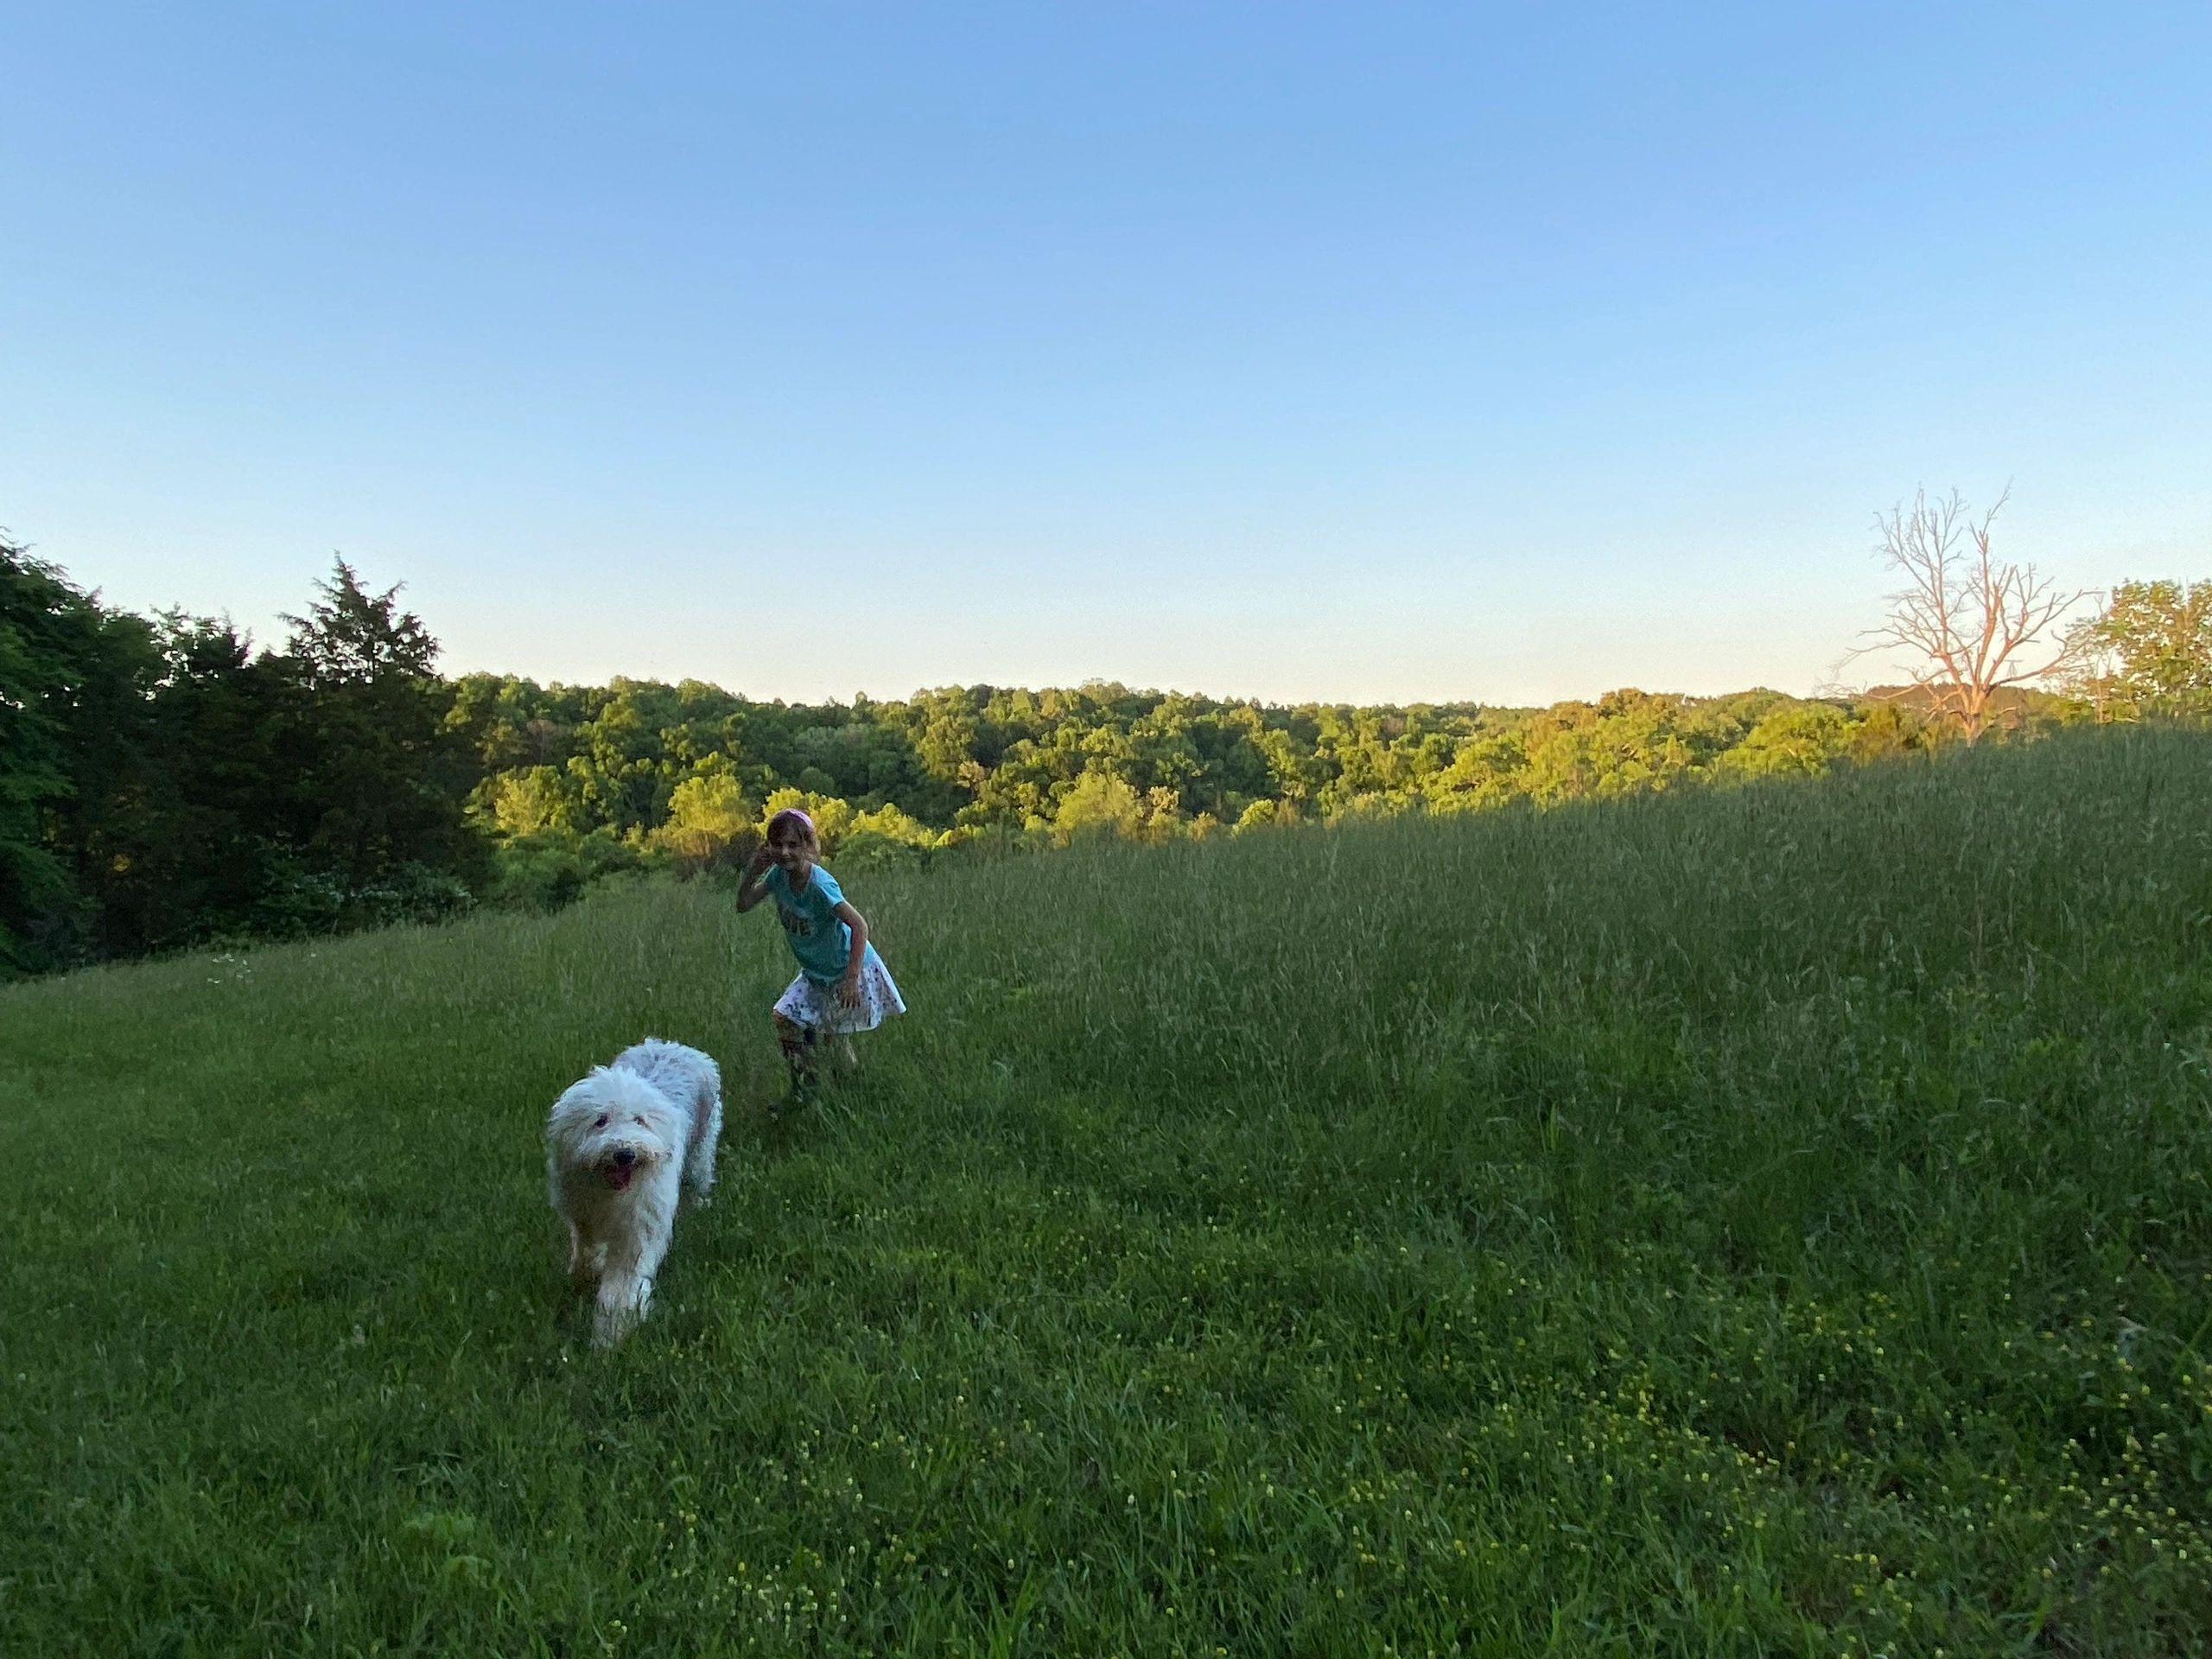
point(610, 1325)
point(623, 1300)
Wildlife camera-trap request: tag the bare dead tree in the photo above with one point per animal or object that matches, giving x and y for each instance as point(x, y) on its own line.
point(1972, 625)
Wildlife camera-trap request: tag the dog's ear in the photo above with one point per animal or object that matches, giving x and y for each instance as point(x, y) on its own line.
point(576, 1108)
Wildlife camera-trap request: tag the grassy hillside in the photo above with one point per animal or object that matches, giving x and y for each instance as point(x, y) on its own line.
point(1764, 1222)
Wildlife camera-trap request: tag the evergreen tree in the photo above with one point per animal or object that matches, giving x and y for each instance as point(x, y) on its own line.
point(378, 784)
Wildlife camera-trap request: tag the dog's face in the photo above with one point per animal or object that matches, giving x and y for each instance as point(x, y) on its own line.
point(612, 1128)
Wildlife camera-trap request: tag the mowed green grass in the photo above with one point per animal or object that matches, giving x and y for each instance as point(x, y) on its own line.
point(1766, 1222)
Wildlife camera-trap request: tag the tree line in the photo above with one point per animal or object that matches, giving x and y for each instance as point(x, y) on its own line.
point(165, 783)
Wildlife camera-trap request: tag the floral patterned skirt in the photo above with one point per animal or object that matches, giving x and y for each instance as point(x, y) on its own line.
point(817, 1006)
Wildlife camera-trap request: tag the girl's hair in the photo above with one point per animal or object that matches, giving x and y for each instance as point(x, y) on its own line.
point(792, 818)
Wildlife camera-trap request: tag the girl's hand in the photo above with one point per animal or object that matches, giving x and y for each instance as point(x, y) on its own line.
point(849, 991)
point(758, 863)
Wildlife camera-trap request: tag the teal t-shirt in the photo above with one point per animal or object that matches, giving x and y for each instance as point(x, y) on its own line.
point(819, 937)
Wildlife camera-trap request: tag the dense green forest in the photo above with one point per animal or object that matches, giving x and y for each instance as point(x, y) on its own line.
point(163, 783)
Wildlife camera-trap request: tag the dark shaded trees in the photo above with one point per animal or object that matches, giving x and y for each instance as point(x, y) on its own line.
point(196, 844)
point(75, 679)
point(161, 784)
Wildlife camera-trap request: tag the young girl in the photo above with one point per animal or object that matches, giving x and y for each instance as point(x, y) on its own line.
point(843, 986)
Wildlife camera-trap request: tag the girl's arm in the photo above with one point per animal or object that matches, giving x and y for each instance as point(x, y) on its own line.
point(849, 987)
point(752, 890)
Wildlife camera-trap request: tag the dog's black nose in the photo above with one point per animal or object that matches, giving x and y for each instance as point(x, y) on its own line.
point(624, 1158)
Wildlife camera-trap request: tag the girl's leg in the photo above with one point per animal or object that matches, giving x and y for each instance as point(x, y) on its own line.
point(798, 1043)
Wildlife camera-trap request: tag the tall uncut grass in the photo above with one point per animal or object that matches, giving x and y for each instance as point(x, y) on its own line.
point(1763, 1222)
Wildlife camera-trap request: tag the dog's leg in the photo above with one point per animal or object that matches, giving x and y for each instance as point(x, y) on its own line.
point(624, 1293)
point(706, 1136)
point(585, 1255)
point(634, 1260)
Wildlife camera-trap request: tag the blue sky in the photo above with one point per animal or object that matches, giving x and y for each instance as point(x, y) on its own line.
point(1362, 352)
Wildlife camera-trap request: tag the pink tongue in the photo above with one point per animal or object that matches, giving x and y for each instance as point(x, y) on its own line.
point(619, 1179)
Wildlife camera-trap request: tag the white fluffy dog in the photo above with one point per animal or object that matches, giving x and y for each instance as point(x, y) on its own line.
point(620, 1147)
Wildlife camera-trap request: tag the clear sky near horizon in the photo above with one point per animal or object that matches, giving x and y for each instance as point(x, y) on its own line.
point(1401, 352)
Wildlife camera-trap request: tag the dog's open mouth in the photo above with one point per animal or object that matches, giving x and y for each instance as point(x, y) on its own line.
point(618, 1175)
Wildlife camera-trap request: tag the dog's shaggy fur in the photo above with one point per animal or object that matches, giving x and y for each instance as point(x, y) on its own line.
point(621, 1146)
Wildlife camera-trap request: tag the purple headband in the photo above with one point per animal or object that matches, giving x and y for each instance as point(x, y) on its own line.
point(798, 813)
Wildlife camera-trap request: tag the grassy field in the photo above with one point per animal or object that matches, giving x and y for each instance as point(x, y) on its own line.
point(1768, 1222)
